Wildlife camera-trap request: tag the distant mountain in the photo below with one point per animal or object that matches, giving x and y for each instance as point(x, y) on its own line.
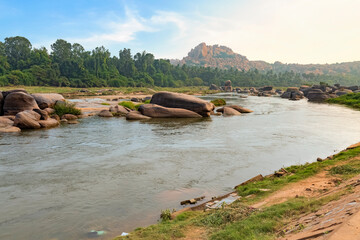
point(222, 57)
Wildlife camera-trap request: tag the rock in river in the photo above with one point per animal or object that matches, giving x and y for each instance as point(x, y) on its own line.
point(47, 100)
point(27, 119)
point(228, 111)
point(49, 123)
point(135, 115)
point(240, 109)
point(157, 111)
point(179, 100)
point(16, 102)
point(105, 113)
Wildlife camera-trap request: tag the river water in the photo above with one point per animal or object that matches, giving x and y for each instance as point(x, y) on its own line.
point(115, 175)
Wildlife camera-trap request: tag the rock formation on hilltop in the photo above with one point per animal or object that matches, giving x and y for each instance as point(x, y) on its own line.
point(222, 57)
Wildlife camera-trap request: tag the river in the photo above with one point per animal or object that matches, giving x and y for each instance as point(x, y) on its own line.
point(115, 175)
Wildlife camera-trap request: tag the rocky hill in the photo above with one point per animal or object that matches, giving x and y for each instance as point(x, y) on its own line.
point(222, 57)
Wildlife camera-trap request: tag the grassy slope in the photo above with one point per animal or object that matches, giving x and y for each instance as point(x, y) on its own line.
point(238, 221)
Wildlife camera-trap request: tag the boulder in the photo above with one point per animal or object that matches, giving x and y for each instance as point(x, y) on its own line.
point(157, 111)
point(179, 100)
point(227, 87)
point(9, 129)
point(230, 112)
point(49, 123)
point(5, 122)
point(49, 110)
point(267, 88)
point(237, 108)
point(105, 113)
point(354, 88)
point(286, 95)
point(214, 87)
point(27, 119)
point(343, 92)
point(69, 117)
point(296, 95)
point(119, 109)
point(134, 99)
point(56, 117)
point(47, 100)
point(5, 93)
point(292, 89)
point(16, 102)
point(316, 95)
point(135, 115)
point(44, 114)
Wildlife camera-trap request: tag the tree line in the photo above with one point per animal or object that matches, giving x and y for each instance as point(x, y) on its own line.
point(70, 65)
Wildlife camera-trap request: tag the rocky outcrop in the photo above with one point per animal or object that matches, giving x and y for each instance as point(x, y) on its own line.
point(157, 111)
point(27, 119)
point(1, 103)
point(6, 126)
point(240, 109)
point(16, 102)
point(49, 123)
point(228, 87)
point(342, 92)
point(316, 95)
point(135, 115)
point(43, 114)
point(5, 93)
point(69, 117)
point(119, 110)
point(227, 112)
point(47, 100)
point(179, 100)
point(105, 113)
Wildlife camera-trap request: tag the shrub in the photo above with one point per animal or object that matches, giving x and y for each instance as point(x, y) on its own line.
point(218, 102)
point(127, 104)
point(66, 108)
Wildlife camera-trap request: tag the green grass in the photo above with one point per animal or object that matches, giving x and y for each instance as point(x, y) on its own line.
point(352, 100)
point(219, 102)
point(105, 103)
point(66, 108)
point(127, 104)
point(298, 172)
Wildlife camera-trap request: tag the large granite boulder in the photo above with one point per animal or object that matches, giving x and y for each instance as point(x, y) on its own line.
point(7, 125)
point(47, 100)
point(105, 113)
point(230, 112)
point(16, 102)
point(5, 93)
point(27, 119)
point(44, 114)
point(354, 88)
point(286, 95)
point(316, 95)
point(135, 115)
point(157, 111)
point(179, 100)
point(228, 87)
point(240, 109)
point(49, 123)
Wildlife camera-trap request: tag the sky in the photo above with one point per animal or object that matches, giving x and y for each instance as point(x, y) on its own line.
point(289, 31)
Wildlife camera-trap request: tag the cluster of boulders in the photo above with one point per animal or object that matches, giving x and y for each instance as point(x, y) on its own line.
point(173, 105)
point(315, 93)
point(21, 110)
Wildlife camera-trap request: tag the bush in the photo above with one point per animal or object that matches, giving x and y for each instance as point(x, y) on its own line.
point(128, 104)
point(66, 108)
point(218, 102)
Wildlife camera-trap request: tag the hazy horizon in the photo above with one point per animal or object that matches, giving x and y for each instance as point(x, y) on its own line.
point(298, 31)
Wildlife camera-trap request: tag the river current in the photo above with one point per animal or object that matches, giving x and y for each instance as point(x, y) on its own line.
point(115, 175)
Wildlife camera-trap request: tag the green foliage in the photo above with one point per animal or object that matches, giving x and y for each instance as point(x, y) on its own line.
point(351, 100)
point(104, 103)
point(128, 104)
point(344, 170)
point(66, 108)
point(219, 102)
point(165, 215)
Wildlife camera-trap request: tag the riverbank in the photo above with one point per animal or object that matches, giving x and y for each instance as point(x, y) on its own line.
point(293, 203)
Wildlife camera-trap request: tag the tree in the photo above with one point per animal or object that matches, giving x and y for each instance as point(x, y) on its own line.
point(17, 50)
point(61, 51)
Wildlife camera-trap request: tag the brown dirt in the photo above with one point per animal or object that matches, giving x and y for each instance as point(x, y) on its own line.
point(195, 233)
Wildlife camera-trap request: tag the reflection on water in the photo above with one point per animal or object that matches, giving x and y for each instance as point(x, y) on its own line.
point(114, 175)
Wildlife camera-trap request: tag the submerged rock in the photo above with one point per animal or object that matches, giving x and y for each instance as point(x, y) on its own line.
point(179, 100)
point(240, 109)
point(228, 111)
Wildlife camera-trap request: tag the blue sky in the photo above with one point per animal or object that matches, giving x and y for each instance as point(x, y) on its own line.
point(296, 31)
